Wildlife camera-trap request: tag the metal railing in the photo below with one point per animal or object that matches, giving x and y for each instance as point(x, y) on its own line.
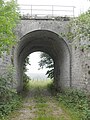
point(46, 10)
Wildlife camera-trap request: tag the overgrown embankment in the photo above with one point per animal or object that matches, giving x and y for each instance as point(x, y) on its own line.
point(9, 100)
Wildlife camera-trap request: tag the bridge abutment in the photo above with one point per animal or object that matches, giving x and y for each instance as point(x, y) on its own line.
point(71, 63)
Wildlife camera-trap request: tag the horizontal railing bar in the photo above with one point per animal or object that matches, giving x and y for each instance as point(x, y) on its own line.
point(37, 9)
point(52, 9)
point(46, 5)
point(48, 14)
point(48, 10)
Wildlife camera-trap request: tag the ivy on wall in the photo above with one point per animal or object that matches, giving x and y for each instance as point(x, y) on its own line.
point(79, 26)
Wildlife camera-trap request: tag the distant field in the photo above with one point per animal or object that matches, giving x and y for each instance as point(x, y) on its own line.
point(37, 76)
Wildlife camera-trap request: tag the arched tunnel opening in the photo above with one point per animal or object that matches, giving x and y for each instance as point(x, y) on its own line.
point(39, 66)
point(50, 43)
point(38, 72)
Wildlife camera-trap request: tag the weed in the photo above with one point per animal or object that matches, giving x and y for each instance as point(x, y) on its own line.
point(46, 118)
point(77, 101)
point(9, 100)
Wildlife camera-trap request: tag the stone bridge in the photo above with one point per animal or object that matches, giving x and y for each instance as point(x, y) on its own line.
point(71, 67)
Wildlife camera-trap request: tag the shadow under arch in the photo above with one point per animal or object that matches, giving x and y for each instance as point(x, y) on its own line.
point(50, 43)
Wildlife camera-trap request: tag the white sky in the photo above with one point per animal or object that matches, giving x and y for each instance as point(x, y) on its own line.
point(81, 5)
point(34, 59)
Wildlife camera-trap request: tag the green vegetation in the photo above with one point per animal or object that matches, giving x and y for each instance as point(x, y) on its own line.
point(45, 104)
point(26, 79)
point(66, 105)
point(9, 17)
point(6, 107)
point(47, 62)
point(77, 102)
point(41, 84)
point(80, 27)
point(9, 100)
point(74, 103)
point(8, 20)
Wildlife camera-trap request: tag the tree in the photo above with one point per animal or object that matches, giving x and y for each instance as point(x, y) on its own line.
point(25, 77)
point(80, 25)
point(27, 62)
point(46, 61)
point(9, 17)
point(8, 20)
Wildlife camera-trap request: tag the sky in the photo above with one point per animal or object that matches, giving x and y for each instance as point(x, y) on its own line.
point(80, 5)
point(34, 67)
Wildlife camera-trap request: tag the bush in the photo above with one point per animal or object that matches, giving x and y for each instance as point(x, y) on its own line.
point(26, 80)
point(76, 100)
point(6, 85)
point(8, 106)
point(9, 99)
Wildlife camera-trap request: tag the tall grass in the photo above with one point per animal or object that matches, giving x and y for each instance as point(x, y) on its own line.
point(73, 101)
point(39, 83)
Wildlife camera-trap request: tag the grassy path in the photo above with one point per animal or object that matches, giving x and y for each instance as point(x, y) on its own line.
point(39, 104)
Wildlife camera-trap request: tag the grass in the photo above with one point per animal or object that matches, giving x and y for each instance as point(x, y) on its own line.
point(76, 102)
point(44, 118)
point(73, 115)
point(46, 106)
point(39, 83)
point(16, 105)
point(44, 111)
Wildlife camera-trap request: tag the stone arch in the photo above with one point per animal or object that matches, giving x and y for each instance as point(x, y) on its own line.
point(50, 43)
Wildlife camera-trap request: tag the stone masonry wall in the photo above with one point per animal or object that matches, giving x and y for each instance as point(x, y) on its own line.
point(80, 51)
point(81, 63)
point(5, 61)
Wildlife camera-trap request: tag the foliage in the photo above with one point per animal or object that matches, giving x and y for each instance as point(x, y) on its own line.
point(41, 103)
point(25, 77)
point(39, 83)
point(46, 61)
point(7, 107)
point(6, 84)
point(80, 25)
point(9, 99)
point(8, 19)
point(26, 80)
point(48, 118)
point(27, 62)
point(76, 100)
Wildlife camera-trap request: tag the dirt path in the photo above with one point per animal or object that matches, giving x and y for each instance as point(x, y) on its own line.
point(39, 104)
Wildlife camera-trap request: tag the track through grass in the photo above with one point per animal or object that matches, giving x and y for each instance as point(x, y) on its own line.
point(39, 104)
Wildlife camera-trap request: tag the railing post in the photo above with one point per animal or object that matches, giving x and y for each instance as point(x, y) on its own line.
point(73, 11)
point(52, 10)
point(31, 10)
